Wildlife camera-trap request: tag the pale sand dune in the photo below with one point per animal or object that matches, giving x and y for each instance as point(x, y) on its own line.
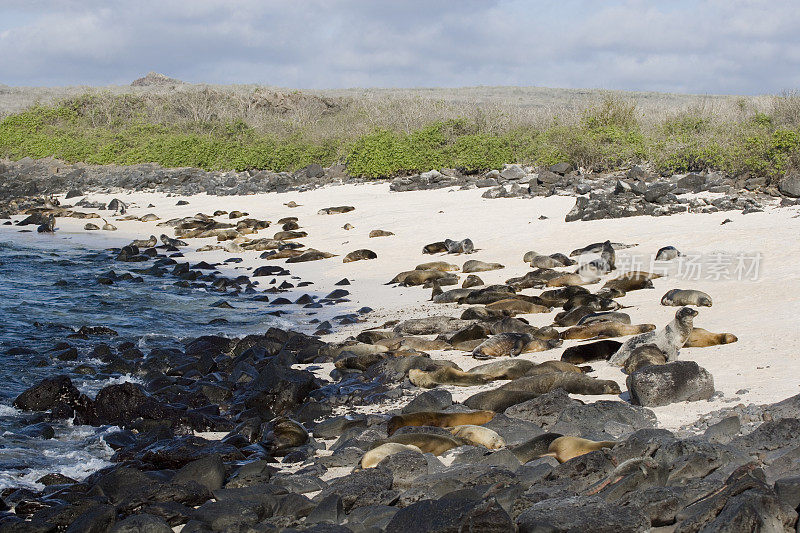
point(762, 313)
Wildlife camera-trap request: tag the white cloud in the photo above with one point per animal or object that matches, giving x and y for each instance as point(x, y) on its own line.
point(712, 46)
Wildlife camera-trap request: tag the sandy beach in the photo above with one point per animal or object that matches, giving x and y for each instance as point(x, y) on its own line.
point(748, 266)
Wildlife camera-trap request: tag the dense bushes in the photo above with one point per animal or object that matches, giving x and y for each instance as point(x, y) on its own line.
point(607, 136)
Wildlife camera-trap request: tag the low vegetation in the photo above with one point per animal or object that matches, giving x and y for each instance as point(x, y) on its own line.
point(376, 137)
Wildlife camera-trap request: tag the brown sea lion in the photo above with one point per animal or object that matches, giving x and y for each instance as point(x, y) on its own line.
point(474, 265)
point(380, 233)
point(512, 325)
point(413, 343)
point(359, 255)
point(534, 448)
point(472, 281)
point(605, 316)
point(417, 277)
point(336, 210)
point(503, 369)
point(631, 281)
point(566, 447)
point(570, 280)
point(572, 382)
point(701, 338)
point(441, 266)
point(498, 400)
point(560, 296)
point(434, 248)
point(512, 344)
point(438, 419)
point(287, 235)
point(605, 330)
point(445, 376)
point(515, 305)
point(310, 255)
point(426, 442)
point(594, 351)
point(282, 433)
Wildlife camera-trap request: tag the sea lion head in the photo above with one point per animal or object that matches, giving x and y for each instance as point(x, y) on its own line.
point(686, 314)
point(611, 387)
point(728, 338)
point(704, 301)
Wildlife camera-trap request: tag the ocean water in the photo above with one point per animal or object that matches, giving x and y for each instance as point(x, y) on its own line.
point(48, 289)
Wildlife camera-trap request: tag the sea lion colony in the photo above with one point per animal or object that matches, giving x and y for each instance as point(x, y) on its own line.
point(511, 451)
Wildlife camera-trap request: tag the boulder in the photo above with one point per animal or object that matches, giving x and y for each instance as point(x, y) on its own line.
point(587, 514)
point(790, 184)
point(678, 381)
point(47, 393)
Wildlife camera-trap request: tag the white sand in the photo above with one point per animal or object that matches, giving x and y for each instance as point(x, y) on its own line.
point(762, 313)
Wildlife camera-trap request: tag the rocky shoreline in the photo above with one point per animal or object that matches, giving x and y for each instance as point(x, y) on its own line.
point(269, 432)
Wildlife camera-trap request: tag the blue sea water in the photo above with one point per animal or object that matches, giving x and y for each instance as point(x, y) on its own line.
point(48, 289)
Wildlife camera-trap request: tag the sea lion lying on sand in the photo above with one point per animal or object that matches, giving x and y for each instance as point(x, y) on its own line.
point(605, 330)
point(681, 297)
point(566, 447)
point(438, 419)
point(594, 351)
point(701, 338)
point(512, 344)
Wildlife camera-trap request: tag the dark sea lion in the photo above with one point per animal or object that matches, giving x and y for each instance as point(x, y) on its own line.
point(512, 344)
point(669, 340)
point(145, 243)
point(438, 419)
point(701, 338)
point(680, 297)
point(498, 400)
point(459, 247)
point(567, 447)
point(380, 233)
point(558, 297)
point(605, 330)
point(359, 255)
point(282, 433)
point(49, 226)
point(594, 351)
point(310, 255)
point(286, 220)
point(602, 265)
point(503, 369)
point(605, 316)
point(336, 210)
point(667, 253)
point(594, 302)
point(573, 316)
point(169, 241)
point(512, 325)
point(288, 235)
point(418, 277)
point(434, 248)
point(598, 247)
point(534, 448)
point(472, 281)
point(642, 356)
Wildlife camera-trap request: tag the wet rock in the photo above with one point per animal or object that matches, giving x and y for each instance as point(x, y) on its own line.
point(48, 392)
point(459, 511)
point(678, 381)
point(142, 523)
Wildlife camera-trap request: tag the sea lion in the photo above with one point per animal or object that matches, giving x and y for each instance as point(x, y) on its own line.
point(348, 226)
point(441, 266)
point(473, 265)
point(472, 281)
point(632, 281)
point(413, 343)
point(605, 316)
point(91, 227)
point(575, 279)
point(594, 351)
point(448, 297)
point(479, 435)
point(602, 265)
point(512, 344)
point(439, 419)
point(290, 226)
point(145, 243)
point(310, 255)
point(286, 220)
point(359, 255)
point(642, 356)
point(288, 235)
point(149, 217)
point(558, 297)
point(515, 305)
point(426, 442)
point(669, 339)
point(354, 348)
point(380, 233)
point(434, 248)
point(567, 447)
point(282, 433)
point(445, 376)
point(667, 253)
point(572, 382)
point(371, 458)
point(169, 241)
point(503, 369)
point(49, 225)
point(598, 247)
point(701, 338)
point(498, 400)
point(360, 362)
point(542, 261)
point(336, 210)
point(417, 277)
point(534, 448)
point(459, 247)
point(573, 316)
point(292, 203)
point(593, 301)
point(680, 297)
point(512, 325)
point(605, 330)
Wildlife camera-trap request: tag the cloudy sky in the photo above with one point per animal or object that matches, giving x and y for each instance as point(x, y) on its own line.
point(711, 46)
